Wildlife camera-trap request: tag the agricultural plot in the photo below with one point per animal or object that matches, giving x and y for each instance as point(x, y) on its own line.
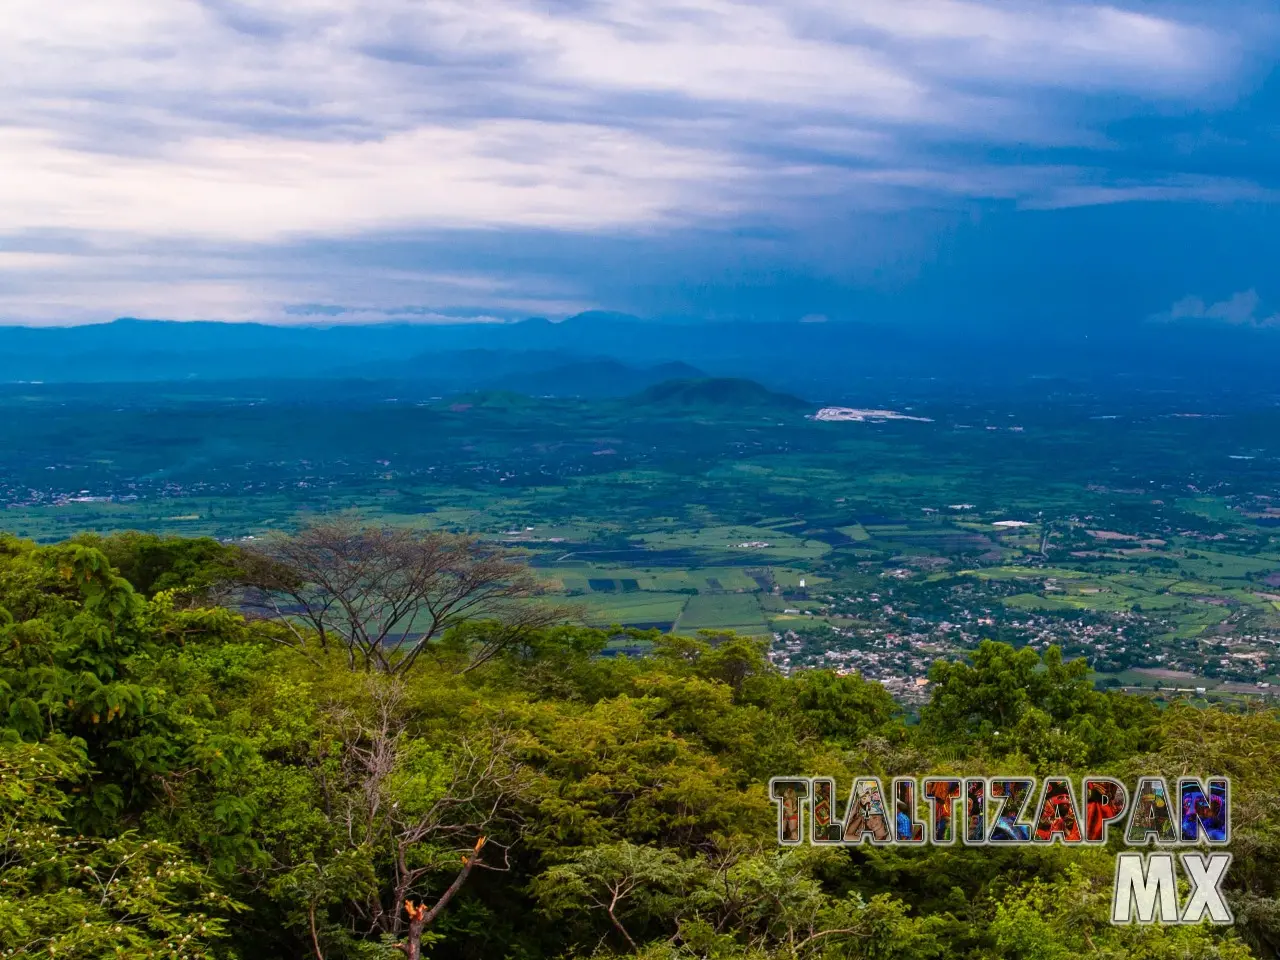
point(1037, 601)
point(1025, 573)
point(631, 609)
point(735, 611)
point(1216, 565)
point(580, 576)
point(748, 545)
point(854, 531)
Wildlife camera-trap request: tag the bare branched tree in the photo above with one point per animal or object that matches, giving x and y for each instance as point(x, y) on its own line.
point(424, 812)
point(385, 594)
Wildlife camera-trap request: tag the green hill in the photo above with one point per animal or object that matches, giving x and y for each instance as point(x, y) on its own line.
point(603, 377)
point(716, 392)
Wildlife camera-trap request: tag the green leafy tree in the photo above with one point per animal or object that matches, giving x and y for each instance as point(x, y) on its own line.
point(620, 880)
point(1067, 918)
point(199, 568)
point(1014, 700)
point(71, 895)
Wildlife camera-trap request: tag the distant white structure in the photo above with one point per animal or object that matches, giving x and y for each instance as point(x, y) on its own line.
point(1012, 523)
point(853, 414)
point(961, 506)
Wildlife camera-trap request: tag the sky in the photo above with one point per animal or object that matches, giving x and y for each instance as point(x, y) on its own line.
point(948, 162)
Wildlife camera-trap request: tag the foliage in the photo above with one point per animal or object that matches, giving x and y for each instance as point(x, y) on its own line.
point(176, 780)
point(198, 567)
point(1014, 701)
point(383, 595)
point(71, 895)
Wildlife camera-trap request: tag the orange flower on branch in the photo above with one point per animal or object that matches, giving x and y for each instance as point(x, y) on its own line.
point(415, 911)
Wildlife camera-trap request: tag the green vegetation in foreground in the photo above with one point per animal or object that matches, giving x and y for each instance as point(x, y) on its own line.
point(177, 781)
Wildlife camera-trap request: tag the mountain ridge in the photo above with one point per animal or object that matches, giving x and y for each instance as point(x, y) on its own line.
point(711, 392)
point(807, 358)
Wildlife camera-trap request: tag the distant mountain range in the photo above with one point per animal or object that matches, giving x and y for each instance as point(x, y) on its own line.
point(548, 373)
point(609, 355)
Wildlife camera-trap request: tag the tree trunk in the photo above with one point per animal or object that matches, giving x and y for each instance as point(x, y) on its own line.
point(420, 916)
point(315, 939)
point(617, 924)
point(414, 948)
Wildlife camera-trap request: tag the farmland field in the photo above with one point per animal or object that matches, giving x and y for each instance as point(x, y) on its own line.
point(735, 611)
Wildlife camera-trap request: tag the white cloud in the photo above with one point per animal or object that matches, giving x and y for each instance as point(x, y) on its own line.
point(267, 187)
point(182, 282)
point(1078, 191)
point(126, 123)
point(508, 111)
point(1240, 309)
point(381, 64)
point(1074, 46)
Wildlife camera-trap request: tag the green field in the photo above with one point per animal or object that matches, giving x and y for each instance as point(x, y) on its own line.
point(740, 612)
point(648, 609)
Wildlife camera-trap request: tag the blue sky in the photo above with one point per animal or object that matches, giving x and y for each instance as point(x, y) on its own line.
point(919, 161)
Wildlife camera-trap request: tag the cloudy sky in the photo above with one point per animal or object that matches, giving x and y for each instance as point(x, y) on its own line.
point(923, 161)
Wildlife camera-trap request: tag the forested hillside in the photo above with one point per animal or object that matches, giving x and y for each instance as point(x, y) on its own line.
point(201, 757)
